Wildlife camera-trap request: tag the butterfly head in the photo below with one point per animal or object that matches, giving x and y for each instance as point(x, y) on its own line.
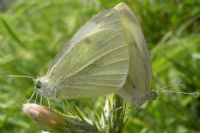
point(152, 95)
point(44, 87)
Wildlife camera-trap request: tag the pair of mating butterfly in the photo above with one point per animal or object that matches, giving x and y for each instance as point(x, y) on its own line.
point(108, 54)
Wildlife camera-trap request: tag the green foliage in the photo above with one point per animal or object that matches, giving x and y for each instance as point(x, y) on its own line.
point(32, 32)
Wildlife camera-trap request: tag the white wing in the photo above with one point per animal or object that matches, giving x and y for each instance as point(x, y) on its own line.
point(108, 19)
point(137, 87)
point(96, 60)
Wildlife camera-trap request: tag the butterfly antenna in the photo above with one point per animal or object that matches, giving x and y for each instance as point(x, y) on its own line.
point(195, 94)
point(173, 83)
point(31, 97)
point(17, 76)
point(162, 90)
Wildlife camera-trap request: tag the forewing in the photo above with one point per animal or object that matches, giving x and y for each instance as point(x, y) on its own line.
point(140, 64)
point(108, 19)
point(136, 39)
point(137, 87)
point(95, 65)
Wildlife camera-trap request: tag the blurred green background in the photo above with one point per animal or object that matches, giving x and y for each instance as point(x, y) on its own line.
point(32, 32)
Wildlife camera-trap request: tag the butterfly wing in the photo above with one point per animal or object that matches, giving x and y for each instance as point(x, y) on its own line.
point(138, 82)
point(96, 60)
point(108, 19)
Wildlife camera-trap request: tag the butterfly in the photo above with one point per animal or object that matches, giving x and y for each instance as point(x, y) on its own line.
point(107, 55)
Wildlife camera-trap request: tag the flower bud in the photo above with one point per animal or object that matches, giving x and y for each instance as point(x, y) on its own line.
point(55, 121)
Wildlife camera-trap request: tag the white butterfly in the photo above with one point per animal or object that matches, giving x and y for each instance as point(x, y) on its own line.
point(108, 54)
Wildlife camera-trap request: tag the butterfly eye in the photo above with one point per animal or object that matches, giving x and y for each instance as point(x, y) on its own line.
point(38, 85)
